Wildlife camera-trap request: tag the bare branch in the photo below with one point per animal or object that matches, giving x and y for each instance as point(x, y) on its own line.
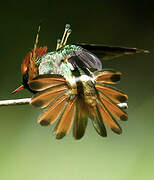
point(123, 105)
point(15, 102)
point(27, 101)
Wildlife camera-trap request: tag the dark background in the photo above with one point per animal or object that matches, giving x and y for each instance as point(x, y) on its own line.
point(29, 151)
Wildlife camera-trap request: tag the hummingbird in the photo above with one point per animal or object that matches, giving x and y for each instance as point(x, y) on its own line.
point(72, 86)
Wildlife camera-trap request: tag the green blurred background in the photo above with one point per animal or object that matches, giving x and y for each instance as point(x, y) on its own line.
point(29, 151)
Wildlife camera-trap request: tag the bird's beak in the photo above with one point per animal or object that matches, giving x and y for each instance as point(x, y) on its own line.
point(18, 89)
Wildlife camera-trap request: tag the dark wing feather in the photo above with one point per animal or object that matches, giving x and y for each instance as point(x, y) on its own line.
point(110, 52)
point(84, 59)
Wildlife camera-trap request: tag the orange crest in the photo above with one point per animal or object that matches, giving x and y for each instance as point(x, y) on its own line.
point(39, 52)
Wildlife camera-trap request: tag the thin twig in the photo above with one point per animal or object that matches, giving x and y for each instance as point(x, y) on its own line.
point(15, 101)
point(123, 105)
point(27, 101)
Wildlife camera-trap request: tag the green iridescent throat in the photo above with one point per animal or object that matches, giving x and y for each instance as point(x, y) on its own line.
point(52, 62)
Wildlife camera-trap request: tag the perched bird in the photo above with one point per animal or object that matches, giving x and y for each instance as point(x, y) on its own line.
point(70, 84)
